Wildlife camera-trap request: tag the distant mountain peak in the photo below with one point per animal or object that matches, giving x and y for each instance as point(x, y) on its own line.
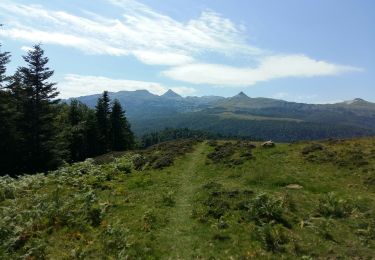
point(355, 101)
point(171, 94)
point(241, 95)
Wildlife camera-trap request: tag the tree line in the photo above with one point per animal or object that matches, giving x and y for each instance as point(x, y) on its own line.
point(169, 134)
point(38, 132)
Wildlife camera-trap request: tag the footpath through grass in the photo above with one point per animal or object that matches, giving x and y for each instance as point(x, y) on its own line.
point(180, 234)
point(198, 200)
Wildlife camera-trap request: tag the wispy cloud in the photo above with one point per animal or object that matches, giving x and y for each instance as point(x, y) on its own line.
point(269, 67)
point(153, 38)
point(74, 85)
point(157, 39)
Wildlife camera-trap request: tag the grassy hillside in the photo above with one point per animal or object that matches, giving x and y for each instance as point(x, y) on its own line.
point(190, 199)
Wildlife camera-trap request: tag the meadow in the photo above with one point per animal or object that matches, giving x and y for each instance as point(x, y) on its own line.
point(190, 199)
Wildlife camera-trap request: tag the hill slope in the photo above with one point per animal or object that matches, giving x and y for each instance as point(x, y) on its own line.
point(189, 199)
point(259, 118)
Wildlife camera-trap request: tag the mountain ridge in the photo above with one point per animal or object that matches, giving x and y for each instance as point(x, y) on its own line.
point(242, 115)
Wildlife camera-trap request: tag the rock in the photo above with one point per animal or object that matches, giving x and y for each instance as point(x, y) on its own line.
point(268, 144)
point(294, 186)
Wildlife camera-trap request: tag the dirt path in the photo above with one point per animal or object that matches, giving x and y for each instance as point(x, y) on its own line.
point(179, 234)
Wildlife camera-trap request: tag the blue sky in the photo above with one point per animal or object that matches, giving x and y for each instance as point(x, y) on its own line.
point(318, 51)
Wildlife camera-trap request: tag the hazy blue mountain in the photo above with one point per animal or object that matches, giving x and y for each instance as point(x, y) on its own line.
point(171, 94)
point(260, 118)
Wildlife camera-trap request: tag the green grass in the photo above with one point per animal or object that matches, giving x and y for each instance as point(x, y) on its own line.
point(199, 206)
point(226, 115)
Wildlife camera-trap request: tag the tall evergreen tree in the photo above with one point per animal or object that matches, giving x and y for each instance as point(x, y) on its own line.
point(8, 131)
point(83, 134)
point(91, 134)
point(77, 138)
point(4, 60)
point(121, 135)
point(38, 112)
point(103, 122)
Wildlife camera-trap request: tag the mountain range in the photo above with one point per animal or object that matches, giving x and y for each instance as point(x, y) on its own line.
point(241, 115)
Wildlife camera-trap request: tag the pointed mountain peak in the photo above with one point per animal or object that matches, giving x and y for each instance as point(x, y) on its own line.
point(355, 101)
point(241, 95)
point(171, 94)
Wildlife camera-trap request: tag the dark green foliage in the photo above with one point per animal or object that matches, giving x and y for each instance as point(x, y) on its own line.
point(230, 153)
point(163, 155)
point(169, 134)
point(38, 133)
point(9, 135)
point(264, 209)
point(8, 117)
point(4, 60)
point(333, 206)
point(312, 148)
point(121, 135)
point(82, 131)
point(102, 111)
point(168, 199)
point(272, 237)
point(138, 162)
point(38, 111)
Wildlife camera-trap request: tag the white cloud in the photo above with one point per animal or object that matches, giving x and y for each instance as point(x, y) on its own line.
point(160, 58)
point(26, 48)
point(269, 68)
point(150, 36)
point(78, 85)
point(157, 39)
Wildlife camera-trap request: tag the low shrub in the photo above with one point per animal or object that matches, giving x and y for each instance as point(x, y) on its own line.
point(168, 199)
point(272, 237)
point(115, 239)
point(333, 206)
point(163, 162)
point(139, 161)
point(216, 207)
point(264, 209)
point(149, 221)
point(312, 148)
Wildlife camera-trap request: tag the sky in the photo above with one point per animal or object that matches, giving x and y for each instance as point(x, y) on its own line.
point(320, 51)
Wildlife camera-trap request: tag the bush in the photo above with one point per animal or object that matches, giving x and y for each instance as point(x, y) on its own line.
point(115, 239)
point(333, 206)
point(264, 209)
point(149, 221)
point(163, 162)
point(216, 207)
point(272, 237)
point(312, 148)
point(123, 165)
point(168, 200)
point(139, 161)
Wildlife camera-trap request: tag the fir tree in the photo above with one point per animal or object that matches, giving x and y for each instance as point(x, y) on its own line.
point(8, 131)
point(4, 60)
point(122, 136)
point(103, 123)
point(38, 112)
point(77, 140)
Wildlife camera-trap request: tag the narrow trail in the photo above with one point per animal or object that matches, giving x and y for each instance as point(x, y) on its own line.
point(180, 231)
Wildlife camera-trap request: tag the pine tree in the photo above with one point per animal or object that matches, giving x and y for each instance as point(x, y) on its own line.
point(77, 140)
point(122, 136)
point(103, 123)
point(4, 60)
point(8, 131)
point(92, 134)
point(38, 112)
